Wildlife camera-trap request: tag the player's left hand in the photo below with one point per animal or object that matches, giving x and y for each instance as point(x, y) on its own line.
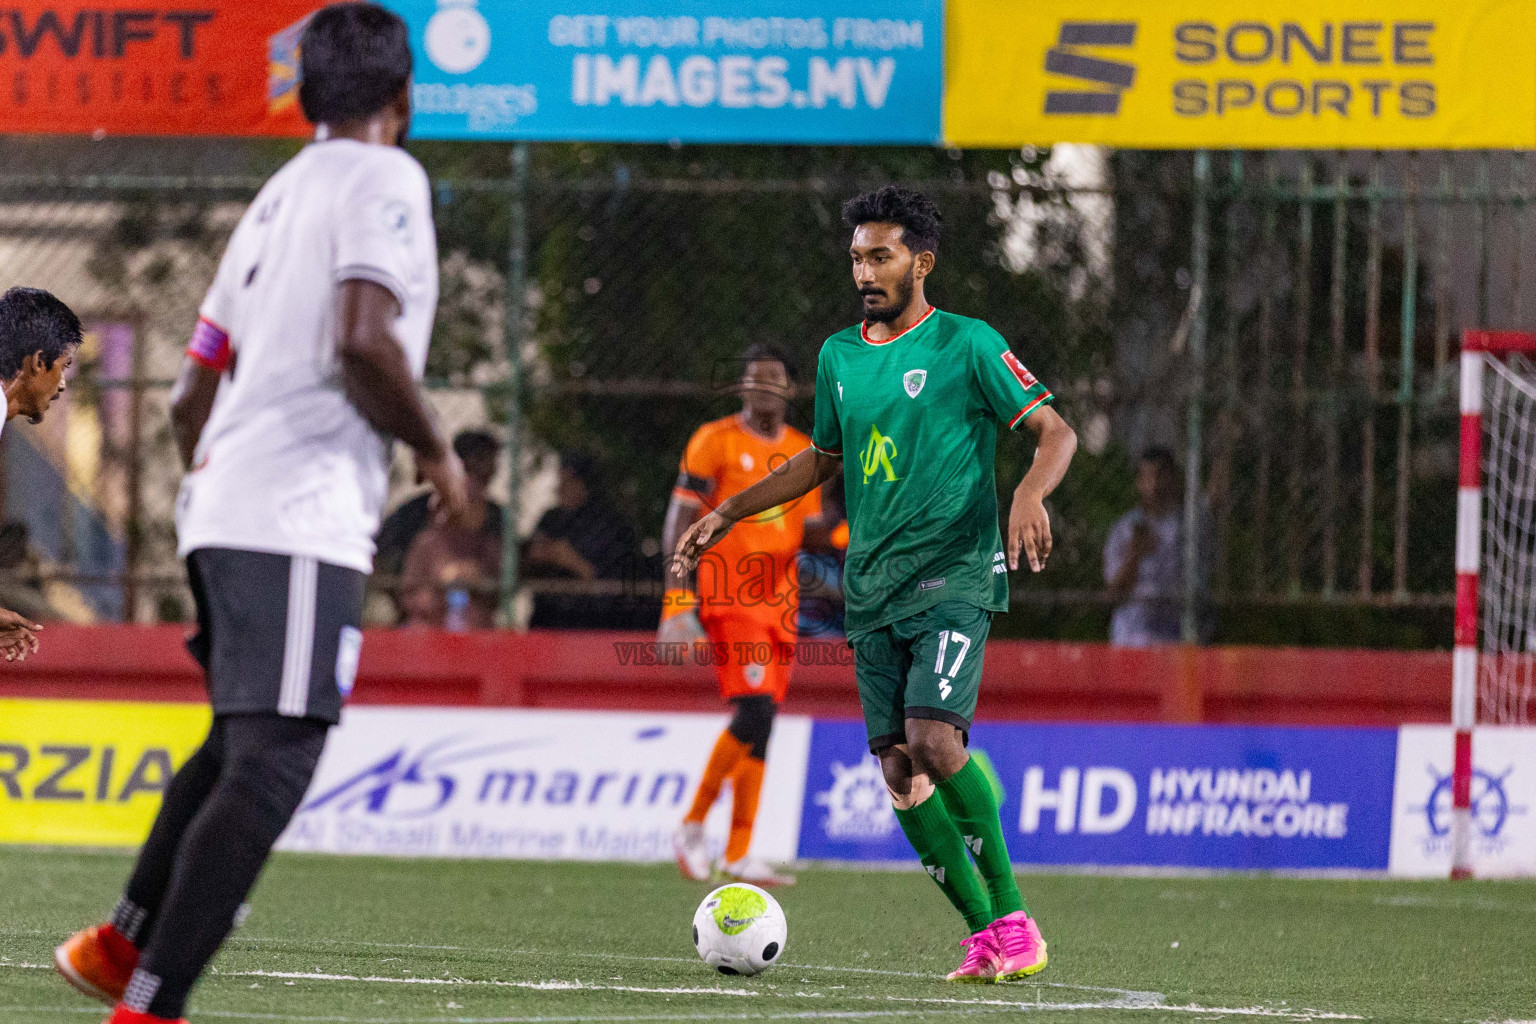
point(1029, 530)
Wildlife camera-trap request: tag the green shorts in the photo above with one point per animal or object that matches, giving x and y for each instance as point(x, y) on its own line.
point(924, 666)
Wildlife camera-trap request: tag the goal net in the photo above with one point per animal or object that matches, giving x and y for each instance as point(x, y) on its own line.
point(1506, 677)
point(1494, 664)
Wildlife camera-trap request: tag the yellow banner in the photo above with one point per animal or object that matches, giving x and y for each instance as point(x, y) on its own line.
point(1305, 74)
point(90, 773)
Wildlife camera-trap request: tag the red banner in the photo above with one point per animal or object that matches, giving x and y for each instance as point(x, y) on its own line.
point(119, 67)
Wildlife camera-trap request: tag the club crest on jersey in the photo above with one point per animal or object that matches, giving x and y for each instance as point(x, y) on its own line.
point(914, 381)
point(395, 216)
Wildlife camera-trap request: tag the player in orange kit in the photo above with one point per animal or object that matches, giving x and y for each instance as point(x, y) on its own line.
point(745, 602)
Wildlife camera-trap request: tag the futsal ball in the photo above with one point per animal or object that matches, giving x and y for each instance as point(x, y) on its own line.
point(739, 929)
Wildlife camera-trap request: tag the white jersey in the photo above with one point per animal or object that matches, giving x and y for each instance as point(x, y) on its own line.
point(286, 464)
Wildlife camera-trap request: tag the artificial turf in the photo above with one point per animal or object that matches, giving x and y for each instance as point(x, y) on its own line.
point(353, 940)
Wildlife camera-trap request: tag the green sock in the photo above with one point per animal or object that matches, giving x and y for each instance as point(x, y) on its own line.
point(938, 846)
point(972, 807)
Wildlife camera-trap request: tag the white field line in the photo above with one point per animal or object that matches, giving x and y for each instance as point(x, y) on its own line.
point(554, 985)
point(1130, 1001)
point(1038, 1004)
point(784, 965)
point(604, 1019)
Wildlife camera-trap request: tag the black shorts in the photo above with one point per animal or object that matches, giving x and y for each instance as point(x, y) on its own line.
point(276, 633)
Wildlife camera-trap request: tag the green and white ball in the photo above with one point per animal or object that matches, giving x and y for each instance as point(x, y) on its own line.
point(740, 929)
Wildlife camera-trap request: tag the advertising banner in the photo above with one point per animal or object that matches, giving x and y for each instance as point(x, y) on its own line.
point(114, 67)
point(803, 71)
point(1503, 802)
point(1184, 796)
point(90, 772)
point(545, 785)
point(1233, 74)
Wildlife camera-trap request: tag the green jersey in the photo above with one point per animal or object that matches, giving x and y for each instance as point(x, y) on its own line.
point(915, 421)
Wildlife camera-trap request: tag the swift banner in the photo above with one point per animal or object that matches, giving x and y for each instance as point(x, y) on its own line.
point(1133, 795)
point(114, 67)
point(803, 71)
point(90, 772)
point(1364, 74)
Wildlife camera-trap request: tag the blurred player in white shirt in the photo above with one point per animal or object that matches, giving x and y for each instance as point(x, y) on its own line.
point(313, 335)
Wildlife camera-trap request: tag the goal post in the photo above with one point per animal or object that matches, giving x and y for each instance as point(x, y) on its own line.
point(1495, 555)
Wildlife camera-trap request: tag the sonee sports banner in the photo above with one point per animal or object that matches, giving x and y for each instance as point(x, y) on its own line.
point(1236, 74)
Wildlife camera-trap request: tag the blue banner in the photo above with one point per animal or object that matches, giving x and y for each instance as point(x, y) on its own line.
point(796, 71)
point(1186, 796)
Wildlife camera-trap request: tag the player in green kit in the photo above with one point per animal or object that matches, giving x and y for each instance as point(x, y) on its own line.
point(907, 408)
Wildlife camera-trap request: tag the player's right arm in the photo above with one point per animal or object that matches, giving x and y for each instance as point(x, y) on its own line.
point(197, 384)
point(697, 484)
point(799, 476)
point(803, 473)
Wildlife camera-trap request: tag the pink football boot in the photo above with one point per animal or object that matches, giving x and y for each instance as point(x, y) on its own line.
point(1021, 950)
point(982, 957)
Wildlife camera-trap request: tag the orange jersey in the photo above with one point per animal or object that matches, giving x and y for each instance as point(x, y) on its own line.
point(751, 572)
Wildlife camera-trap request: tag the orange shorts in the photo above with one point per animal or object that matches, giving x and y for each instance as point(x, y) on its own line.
point(752, 657)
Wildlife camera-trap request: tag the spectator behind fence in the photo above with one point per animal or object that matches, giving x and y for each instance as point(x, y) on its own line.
point(21, 580)
point(452, 574)
point(584, 538)
point(478, 450)
point(1144, 559)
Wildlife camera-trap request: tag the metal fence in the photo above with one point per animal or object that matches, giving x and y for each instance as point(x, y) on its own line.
point(1247, 308)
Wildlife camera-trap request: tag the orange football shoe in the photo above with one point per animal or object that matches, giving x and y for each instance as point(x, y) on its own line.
point(98, 961)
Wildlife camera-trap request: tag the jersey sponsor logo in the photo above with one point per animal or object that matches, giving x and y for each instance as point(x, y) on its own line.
point(913, 381)
point(931, 584)
point(877, 456)
point(1020, 372)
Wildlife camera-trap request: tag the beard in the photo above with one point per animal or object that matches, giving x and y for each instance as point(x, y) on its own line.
point(897, 303)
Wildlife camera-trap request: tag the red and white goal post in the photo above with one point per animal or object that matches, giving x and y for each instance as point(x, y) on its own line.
point(1493, 678)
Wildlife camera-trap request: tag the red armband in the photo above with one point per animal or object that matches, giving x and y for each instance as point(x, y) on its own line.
point(210, 345)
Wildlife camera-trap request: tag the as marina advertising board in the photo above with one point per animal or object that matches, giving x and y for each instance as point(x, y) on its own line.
point(523, 784)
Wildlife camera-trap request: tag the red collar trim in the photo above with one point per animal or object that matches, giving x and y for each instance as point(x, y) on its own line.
point(864, 329)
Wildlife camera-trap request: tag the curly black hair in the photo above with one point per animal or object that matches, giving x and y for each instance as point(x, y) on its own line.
point(918, 215)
